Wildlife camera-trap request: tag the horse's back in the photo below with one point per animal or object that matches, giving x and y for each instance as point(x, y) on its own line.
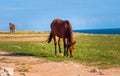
point(12, 26)
point(58, 27)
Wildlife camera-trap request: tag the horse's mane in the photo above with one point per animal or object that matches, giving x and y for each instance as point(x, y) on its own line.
point(69, 31)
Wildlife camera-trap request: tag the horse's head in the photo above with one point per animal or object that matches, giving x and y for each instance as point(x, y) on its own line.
point(71, 48)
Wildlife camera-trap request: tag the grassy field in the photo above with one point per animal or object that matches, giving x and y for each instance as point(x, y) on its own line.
point(24, 32)
point(97, 50)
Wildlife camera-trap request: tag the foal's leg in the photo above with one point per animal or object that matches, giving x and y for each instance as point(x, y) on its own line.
point(55, 43)
point(59, 45)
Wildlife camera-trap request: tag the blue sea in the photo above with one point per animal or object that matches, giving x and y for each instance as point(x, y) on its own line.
point(99, 31)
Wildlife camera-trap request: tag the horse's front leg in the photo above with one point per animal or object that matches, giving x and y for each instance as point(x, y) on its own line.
point(67, 51)
point(65, 47)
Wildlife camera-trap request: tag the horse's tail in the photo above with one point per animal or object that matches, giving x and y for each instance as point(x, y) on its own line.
point(50, 38)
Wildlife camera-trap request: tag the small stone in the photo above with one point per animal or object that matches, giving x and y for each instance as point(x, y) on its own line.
point(94, 70)
point(78, 75)
point(5, 71)
point(9, 71)
point(100, 73)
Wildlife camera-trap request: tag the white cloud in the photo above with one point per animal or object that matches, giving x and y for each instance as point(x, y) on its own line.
point(82, 23)
point(78, 22)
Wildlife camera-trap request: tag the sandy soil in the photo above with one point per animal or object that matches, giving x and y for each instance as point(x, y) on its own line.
point(31, 66)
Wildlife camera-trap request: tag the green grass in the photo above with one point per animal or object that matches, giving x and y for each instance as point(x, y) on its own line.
point(99, 50)
point(96, 50)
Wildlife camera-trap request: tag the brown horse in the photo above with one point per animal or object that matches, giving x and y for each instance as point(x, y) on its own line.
point(62, 29)
point(12, 27)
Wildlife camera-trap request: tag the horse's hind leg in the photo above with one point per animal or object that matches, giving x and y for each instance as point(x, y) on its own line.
point(59, 39)
point(55, 43)
point(10, 31)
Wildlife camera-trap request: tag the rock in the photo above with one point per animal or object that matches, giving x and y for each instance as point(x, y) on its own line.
point(94, 70)
point(5, 71)
point(100, 73)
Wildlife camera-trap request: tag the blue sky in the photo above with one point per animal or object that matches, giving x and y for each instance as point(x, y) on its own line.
point(36, 15)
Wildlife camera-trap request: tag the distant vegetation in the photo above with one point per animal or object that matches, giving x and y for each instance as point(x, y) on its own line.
point(24, 32)
point(98, 50)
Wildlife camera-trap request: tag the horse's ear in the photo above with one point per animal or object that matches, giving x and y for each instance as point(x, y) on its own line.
point(74, 42)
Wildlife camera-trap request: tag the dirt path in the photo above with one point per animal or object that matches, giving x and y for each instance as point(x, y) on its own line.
point(23, 37)
point(30, 66)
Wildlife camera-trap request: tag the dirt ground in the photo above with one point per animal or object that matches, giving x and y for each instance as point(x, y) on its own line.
point(31, 66)
point(25, 37)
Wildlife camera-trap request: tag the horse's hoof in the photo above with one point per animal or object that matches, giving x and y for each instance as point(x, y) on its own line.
point(61, 54)
point(71, 56)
